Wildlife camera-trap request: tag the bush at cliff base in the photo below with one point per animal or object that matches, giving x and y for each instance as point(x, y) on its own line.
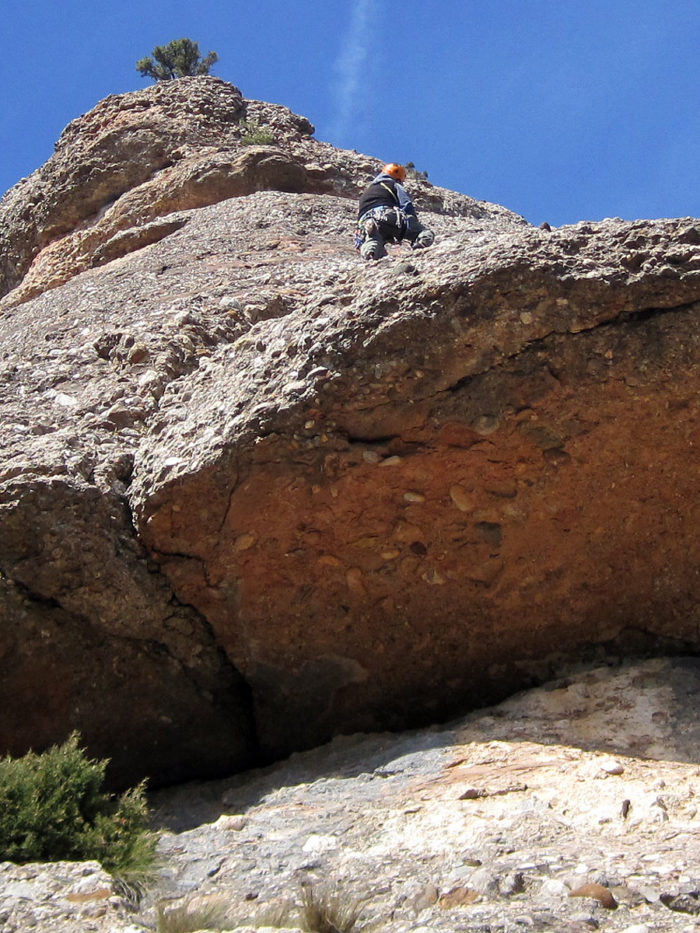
point(53, 808)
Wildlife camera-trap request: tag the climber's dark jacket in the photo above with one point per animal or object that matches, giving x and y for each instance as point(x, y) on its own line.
point(385, 191)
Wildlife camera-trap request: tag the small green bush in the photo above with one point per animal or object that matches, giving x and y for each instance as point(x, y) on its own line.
point(256, 135)
point(177, 59)
point(52, 808)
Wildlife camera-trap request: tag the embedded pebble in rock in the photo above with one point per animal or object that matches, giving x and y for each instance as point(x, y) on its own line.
point(598, 892)
point(460, 498)
point(610, 766)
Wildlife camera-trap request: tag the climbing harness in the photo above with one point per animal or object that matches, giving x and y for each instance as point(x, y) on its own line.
point(389, 222)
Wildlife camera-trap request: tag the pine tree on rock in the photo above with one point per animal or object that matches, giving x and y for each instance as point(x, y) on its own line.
point(177, 59)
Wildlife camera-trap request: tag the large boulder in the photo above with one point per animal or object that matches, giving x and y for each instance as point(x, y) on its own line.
point(254, 493)
point(425, 486)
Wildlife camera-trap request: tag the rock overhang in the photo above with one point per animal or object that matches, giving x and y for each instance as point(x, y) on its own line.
point(477, 414)
point(353, 496)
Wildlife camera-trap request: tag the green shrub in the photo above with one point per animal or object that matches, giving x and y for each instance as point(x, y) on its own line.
point(177, 59)
point(52, 808)
point(256, 135)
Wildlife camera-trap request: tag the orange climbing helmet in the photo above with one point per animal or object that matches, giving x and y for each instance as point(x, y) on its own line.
point(396, 171)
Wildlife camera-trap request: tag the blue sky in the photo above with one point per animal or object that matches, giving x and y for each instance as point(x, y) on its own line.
point(562, 110)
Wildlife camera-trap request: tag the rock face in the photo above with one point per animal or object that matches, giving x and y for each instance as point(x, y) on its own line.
point(567, 808)
point(495, 822)
point(122, 172)
point(254, 493)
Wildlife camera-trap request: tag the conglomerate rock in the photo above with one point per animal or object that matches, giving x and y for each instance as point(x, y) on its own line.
point(254, 493)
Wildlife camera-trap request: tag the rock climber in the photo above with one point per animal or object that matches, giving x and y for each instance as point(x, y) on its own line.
point(386, 215)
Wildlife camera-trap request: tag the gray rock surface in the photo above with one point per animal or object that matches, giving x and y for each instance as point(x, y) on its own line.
point(533, 814)
point(499, 816)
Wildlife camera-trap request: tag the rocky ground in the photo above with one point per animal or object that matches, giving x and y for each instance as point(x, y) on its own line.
point(571, 807)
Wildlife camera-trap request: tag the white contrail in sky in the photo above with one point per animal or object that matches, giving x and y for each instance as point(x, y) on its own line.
point(349, 67)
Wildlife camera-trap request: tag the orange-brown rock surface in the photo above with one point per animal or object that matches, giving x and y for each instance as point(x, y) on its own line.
point(254, 493)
